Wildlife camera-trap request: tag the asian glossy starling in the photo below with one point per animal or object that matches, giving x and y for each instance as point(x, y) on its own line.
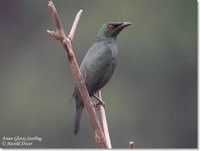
point(98, 64)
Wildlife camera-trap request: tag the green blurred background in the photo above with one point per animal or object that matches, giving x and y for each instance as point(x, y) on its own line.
point(152, 97)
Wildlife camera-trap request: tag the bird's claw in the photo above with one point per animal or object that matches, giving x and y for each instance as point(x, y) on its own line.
point(97, 105)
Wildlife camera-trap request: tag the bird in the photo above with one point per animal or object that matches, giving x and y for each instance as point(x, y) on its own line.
point(98, 65)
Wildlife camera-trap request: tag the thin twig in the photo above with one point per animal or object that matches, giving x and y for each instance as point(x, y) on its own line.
point(131, 144)
point(74, 26)
point(59, 34)
point(104, 121)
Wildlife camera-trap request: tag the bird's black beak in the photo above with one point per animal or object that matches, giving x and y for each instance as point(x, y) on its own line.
point(125, 24)
point(122, 26)
point(119, 27)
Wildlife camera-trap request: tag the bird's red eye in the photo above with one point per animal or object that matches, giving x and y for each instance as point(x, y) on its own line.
point(110, 27)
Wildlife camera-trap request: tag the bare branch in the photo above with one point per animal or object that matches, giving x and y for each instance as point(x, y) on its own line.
point(59, 34)
point(74, 26)
point(104, 121)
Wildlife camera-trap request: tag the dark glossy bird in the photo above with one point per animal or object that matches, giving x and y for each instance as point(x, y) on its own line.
point(98, 64)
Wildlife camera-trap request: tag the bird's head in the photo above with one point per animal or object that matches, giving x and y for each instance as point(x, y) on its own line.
point(111, 30)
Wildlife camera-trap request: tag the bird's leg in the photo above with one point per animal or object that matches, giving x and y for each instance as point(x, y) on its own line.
point(100, 102)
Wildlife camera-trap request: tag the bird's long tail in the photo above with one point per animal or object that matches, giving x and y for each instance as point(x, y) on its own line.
point(79, 109)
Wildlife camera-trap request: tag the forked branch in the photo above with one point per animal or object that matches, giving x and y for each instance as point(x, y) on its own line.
point(59, 34)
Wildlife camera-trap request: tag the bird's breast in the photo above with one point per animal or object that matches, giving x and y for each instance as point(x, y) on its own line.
point(113, 49)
